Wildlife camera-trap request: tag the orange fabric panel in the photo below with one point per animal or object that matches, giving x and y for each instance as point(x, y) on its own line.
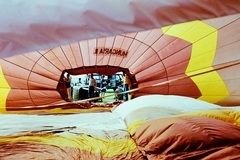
point(174, 46)
point(229, 30)
point(20, 98)
point(188, 137)
point(70, 55)
point(148, 58)
point(49, 71)
point(59, 56)
point(34, 56)
point(150, 73)
point(89, 51)
point(135, 51)
point(162, 42)
point(28, 150)
point(227, 53)
point(42, 80)
point(21, 83)
point(21, 61)
point(56, 57)
point(14, 72)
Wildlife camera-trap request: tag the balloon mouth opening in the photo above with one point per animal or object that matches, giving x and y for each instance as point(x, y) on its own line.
point(107, 71)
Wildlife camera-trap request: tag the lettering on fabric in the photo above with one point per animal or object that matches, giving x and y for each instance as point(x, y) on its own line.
point(111, 51)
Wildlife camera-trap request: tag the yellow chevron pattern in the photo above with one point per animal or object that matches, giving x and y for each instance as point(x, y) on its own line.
point(204, 40)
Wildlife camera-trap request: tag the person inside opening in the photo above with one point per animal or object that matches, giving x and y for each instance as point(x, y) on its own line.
point(67, 80)
point(103, 86)
point(91, 88)
point(79, 83)
point(118, 91)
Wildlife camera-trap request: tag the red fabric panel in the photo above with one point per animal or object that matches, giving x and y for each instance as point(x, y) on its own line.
point(184, 87)
point(154, 90)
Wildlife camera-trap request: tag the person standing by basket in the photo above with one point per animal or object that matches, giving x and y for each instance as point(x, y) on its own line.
point(92, 85)
point(68, 80)
point(126, 83)
point(103, 86)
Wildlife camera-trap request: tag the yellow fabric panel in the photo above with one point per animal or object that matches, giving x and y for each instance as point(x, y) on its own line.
point(4, 90)
point(204, 40)
point(197, 32)
point(133, 126)
point(177, 30)
point(213, 89)
point(59, 111)
point(106, 147)
point(210, 84)
point(203, 51)
point(231, 116)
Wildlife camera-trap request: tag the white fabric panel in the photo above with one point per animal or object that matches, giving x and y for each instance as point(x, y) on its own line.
point(178, 103)
point(27, 25)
